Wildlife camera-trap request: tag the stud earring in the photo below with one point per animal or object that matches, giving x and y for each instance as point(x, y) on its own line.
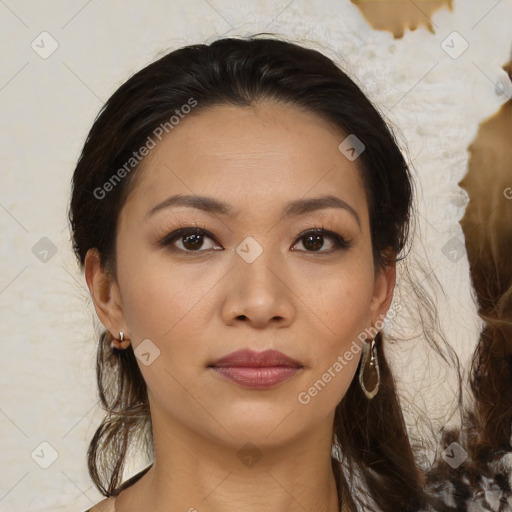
point(122, 340)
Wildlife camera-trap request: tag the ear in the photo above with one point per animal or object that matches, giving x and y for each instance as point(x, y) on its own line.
point(105, 294)
point(383, 291)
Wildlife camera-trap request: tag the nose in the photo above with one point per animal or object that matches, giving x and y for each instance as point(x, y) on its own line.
point(259, 293)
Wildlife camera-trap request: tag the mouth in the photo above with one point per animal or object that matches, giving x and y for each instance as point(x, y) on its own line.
point(256, 370)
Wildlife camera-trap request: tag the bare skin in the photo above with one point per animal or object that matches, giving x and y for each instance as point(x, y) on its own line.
point(196, 303)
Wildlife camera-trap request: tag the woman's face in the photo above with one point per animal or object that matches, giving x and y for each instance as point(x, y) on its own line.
point(251, 282)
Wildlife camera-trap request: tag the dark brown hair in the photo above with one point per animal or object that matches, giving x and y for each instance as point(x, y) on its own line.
point(371, 435)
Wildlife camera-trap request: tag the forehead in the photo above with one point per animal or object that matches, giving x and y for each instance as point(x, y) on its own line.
point(263, 154)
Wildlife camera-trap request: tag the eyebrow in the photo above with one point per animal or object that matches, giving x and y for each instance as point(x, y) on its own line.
point(292, 209)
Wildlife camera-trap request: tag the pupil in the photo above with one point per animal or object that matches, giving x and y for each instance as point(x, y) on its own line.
point(316, 245)
point(195, 243)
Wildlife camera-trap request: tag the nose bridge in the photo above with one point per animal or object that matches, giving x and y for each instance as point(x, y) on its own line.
point(258, 291)
point(256, 263)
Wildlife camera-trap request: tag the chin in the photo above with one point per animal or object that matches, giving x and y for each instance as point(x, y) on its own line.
point(260, 424)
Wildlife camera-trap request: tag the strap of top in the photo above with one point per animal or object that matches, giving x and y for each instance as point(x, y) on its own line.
point(108, 504)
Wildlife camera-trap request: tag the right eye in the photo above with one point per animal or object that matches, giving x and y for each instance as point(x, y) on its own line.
point(191, 239)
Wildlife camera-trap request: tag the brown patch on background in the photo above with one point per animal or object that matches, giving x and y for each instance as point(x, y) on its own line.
point(487, 226)
point(508, 68)
point(397, 15)
point(487, 222)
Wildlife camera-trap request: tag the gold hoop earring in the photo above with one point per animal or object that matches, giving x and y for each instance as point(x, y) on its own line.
point(370, 355)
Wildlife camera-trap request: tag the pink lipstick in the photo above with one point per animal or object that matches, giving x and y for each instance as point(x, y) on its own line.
point(256, 370)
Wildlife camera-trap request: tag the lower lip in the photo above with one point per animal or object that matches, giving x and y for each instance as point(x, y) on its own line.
point(257, 377)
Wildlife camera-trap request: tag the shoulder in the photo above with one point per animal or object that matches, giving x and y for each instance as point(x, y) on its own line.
point(108, 504)
point(105, 505)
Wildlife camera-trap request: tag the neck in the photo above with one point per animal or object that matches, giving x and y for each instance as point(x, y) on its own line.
point(192, 473)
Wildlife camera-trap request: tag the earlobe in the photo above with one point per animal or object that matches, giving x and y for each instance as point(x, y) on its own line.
point(105, 293)
point(383, 291)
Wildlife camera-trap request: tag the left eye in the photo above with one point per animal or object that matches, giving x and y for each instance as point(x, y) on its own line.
point(314, 239)
point(192, 240)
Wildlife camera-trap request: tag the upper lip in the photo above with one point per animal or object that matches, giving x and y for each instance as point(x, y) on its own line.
point(249, 358)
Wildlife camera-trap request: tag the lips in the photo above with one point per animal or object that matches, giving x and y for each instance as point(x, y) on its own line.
point(256, 370)
point(250, 359)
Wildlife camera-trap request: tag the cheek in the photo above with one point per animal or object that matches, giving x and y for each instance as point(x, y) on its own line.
point(341, 297)
point(159, 297)
point(162, 304)
point(345, 305)
point(341, 305)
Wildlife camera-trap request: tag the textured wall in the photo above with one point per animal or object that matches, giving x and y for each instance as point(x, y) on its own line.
point(62, 60)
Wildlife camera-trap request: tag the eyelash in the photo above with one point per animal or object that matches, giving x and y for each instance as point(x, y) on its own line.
point(339, 241)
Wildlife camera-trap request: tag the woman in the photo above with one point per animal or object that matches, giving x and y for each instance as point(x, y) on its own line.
point(239, 210)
